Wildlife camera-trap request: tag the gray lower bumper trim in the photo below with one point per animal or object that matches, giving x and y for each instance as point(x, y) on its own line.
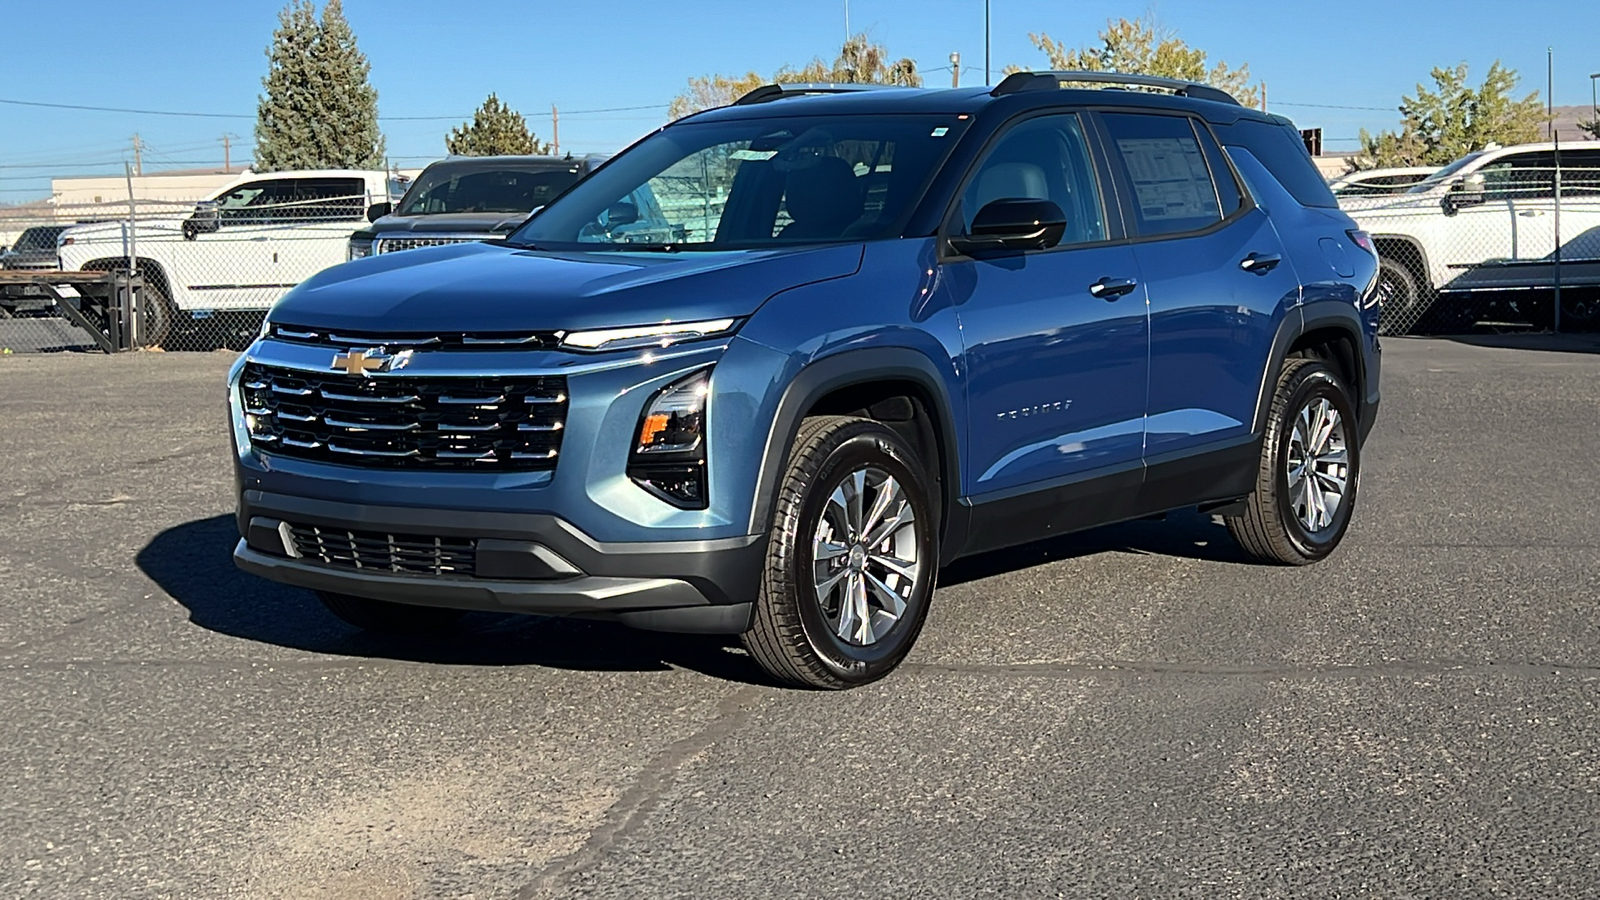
point(590, 594)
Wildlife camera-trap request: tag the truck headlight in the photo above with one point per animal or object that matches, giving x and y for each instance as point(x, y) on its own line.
point(358, 249)
point(669, 452)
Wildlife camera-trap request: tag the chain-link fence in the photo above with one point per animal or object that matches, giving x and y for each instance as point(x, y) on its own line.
point(1512, 243)
point(204, 273)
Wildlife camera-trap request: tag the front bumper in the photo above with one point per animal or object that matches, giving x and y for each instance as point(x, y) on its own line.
point(525, 563)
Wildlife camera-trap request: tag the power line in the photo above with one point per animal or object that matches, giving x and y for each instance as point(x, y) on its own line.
point(1393, 109)
point(210, 115)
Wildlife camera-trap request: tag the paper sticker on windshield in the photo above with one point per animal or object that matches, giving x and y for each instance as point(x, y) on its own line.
point(941, 131)
point(753, 155)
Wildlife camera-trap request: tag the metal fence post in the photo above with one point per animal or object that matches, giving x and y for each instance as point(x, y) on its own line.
point(131, 309)
point(1557, 224)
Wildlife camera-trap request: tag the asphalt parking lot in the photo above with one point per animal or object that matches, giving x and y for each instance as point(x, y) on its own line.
point(1132, 712)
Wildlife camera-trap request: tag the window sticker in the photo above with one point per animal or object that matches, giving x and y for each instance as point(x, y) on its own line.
point(1170, 179)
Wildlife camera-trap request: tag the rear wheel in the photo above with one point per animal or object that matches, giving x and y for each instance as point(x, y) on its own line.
point(155, 315)
point(851, 559)
point(1310, 468)
point(388, 618)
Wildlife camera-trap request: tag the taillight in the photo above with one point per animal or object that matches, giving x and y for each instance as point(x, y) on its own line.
point(1363, 240)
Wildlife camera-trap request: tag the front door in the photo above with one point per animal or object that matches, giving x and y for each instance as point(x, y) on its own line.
point(1055, 366)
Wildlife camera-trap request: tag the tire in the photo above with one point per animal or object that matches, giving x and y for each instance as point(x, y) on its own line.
point(818, 639)
point(1279, 524)
point(155, 315)
point(383, 617)
point(1402, 298)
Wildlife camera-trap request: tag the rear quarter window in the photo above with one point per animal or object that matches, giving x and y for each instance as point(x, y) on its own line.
point(1283, 153)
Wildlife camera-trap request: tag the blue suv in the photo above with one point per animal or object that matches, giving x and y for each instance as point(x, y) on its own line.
point(893, 327)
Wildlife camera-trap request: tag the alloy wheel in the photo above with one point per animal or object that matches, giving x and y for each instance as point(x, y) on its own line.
point(865, 556)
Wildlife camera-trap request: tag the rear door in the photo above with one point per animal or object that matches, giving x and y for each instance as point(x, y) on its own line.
point(1219, 283)
point(311, 227)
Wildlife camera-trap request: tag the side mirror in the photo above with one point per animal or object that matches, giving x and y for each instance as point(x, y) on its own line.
point(204, 220)
point(378, 210)
point(1469, 191)
point(1014, 224)
point(621, 214)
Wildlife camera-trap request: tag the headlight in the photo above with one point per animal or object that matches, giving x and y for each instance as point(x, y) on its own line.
point(359, 249)
point(669, 451)
point(663, 335)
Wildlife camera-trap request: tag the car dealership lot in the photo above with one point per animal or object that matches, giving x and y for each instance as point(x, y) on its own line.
point(1132, 711)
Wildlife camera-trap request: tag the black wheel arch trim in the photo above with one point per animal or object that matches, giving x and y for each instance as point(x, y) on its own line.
point(1317, 315)
point(846, 369)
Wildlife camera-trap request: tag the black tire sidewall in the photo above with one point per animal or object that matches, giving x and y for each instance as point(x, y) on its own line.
point(872, 445)
point(1403, 305)
point(1316, 381)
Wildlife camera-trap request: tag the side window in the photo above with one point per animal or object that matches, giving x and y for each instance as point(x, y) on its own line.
point(1172, 187)
point(1280, 149)
point(1044, 158)
point(250, 203)
point(321, 200)
point(1580, 173)
point(1520, 176)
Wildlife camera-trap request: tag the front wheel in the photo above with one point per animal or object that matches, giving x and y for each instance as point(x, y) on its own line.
point(851, 559)
point(1309, 470)
point(1402, 299)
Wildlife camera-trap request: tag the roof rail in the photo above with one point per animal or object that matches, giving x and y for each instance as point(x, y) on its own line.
point(778, 91)
point(1017, 82)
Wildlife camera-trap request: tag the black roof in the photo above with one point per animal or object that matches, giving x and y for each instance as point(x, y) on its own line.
point(890, 101)
point(524, 163)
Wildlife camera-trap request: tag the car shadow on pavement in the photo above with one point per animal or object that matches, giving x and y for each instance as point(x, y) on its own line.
point(1185, 533)
point(193, 563)
point(1553, 343)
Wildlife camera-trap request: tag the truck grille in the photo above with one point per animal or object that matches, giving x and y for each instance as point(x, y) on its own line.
point(477, 424)
point(409, 554)
point(393, 244)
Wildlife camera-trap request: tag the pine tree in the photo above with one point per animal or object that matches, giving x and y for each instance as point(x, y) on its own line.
point(319, 111)
point(495, 130)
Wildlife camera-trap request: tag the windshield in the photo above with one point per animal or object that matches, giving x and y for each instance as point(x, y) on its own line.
point(475, 189)
point(751, 183)
point(1438, 177)
point(42, 238)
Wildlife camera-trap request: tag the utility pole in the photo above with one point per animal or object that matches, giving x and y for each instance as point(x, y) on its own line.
point(1549, 93)
point(1263, 96)
point(986, 81)
point(138, 158)
point(847, 21)
point(555, 130)
point(227, 154)
point(955, 70)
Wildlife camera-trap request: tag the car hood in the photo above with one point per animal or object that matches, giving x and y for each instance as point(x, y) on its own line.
point(448, 223)
point(494, 288)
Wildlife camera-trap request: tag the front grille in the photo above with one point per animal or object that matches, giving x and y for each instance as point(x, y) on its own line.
point(409, 554)
point(476, 424)
point(393, 244)
point(459, 340)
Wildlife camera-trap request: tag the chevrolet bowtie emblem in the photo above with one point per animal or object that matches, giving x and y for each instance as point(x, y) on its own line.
point(364, 362)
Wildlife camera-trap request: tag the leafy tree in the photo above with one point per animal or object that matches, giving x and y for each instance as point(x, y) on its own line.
point(1143, 46)
point(713, 91)
point(860, 61)
point(319, 111)
point(1593, 127)
point(495, 130)
point(1445, 124)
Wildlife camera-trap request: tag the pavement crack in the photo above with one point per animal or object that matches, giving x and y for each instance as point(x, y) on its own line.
point(636, 803)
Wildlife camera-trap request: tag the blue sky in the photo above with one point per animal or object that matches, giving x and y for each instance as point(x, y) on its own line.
point(436, 59)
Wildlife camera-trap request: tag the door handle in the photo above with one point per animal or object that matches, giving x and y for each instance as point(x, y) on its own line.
point(1112, 288)
point(1260, 263)
point(1531, 213)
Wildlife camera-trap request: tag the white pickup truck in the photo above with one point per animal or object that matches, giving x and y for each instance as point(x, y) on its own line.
point(229, 257)
point(1488, 222)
